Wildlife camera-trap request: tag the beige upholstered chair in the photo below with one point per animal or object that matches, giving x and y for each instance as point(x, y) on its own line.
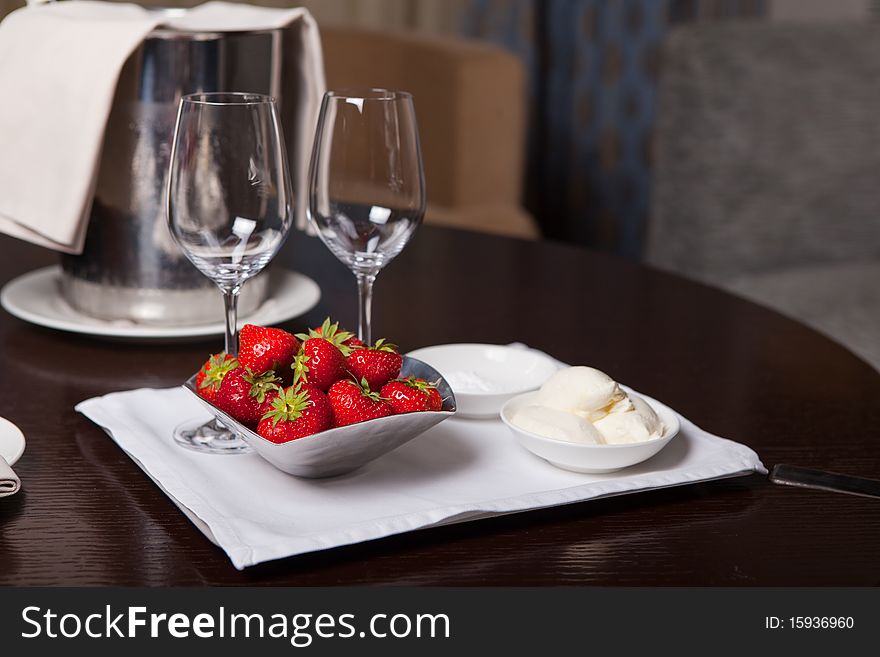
point(470, 104)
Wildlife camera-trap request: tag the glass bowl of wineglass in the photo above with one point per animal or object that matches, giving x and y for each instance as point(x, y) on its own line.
point(229, 207)
point(366, 183)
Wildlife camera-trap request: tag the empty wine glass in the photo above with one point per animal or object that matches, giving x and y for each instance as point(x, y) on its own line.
point(367, 186)
point(229, 207)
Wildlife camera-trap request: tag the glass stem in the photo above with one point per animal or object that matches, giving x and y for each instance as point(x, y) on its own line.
point(230, 301)
point(365, 305)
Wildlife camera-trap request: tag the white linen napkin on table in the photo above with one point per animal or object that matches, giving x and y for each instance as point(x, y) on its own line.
point(9, 481)
point(59, 65)
point(459, 470)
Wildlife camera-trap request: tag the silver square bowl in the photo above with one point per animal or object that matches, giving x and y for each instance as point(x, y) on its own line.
point(343, 449)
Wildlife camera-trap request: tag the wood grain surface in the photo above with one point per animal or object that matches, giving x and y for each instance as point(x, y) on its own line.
point(88, 515)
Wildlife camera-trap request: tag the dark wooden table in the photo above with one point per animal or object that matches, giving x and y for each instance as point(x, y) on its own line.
point(88, 515)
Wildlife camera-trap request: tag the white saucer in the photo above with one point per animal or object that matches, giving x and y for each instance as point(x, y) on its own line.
point(35, 297)
point(11, 441)
point(484, 376)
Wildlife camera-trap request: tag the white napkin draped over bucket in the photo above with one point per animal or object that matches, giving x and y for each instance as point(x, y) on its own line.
point(59, 65)
point(459, 470)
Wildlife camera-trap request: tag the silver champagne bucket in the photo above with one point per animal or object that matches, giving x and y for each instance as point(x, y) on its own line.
point(130, 268)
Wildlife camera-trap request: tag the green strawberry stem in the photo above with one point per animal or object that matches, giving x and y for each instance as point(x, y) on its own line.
point(383, 345)
point(218, 366)
point(420, 384)
point(288, 406)
point(331, 333)
point(365, 390)
point(262, 384)
point(300, 369)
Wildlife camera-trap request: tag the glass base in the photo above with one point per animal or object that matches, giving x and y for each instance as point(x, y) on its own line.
point(209, 438)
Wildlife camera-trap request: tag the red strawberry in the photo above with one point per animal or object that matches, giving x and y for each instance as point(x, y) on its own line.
point(211, 375)
point(377, 364)
point(353, 402)
point(411, 394)
point(244, 395)
point(266, 406)
point(339, 337)
point(261, 349)
point(320, 363)
point(297, 411)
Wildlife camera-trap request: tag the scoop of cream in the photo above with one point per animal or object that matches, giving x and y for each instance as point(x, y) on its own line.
point(583, 391)
point(585, 405)
point(635, 425)
point(556, 424)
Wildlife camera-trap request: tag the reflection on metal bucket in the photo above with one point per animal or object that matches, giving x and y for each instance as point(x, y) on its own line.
point(159, 307)
point(130, 267)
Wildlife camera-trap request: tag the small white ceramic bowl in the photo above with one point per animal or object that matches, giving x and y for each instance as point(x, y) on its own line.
point(592, 459)
point(484, 376)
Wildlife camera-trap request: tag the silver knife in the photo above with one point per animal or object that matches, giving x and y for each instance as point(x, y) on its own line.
point(792, 475)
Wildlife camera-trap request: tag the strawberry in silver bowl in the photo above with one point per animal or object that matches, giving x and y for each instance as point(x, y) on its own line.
point(308, 431)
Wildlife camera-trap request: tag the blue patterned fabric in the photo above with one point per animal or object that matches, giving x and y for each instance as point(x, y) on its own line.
point(593, 67)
